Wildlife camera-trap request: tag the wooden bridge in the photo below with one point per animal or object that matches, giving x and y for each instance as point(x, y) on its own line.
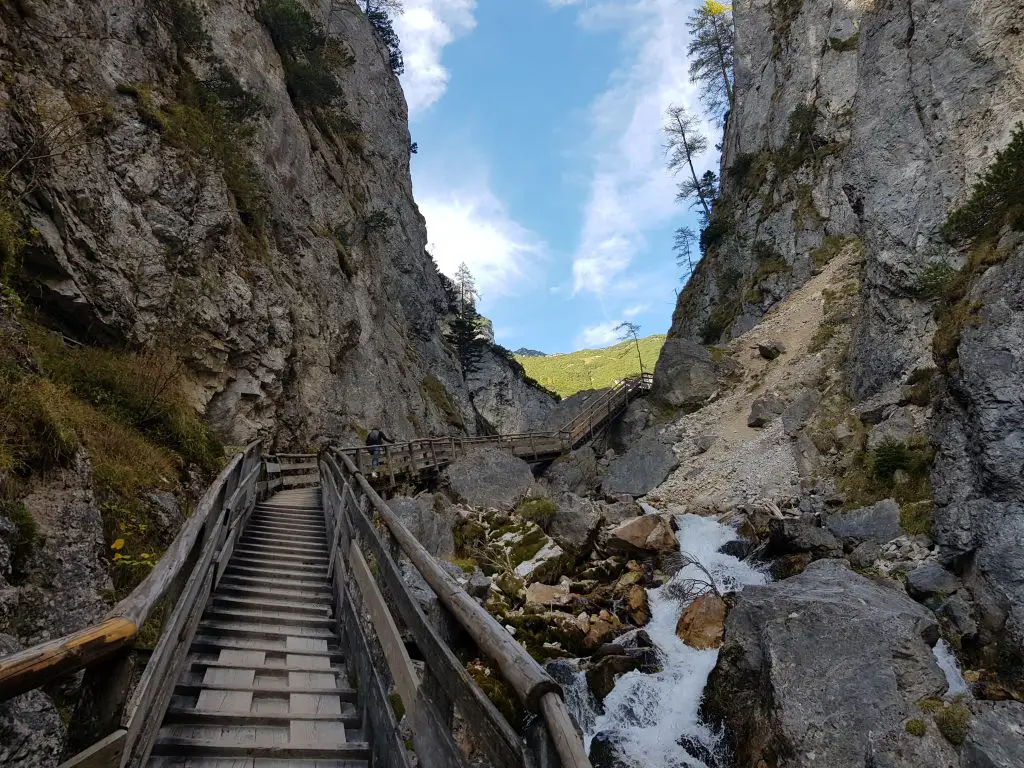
point(292, 639)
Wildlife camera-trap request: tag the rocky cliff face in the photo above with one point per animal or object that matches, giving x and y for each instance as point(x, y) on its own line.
point(503, 398)
point(185, 191)
point(860, 126)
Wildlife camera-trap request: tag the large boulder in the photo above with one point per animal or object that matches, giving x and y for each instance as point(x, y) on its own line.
point(576, 472)
point(430, 519)
point(685, 375)
point(880, 522)
point(792, 536)
point(641, 469)
point(931, 579)
point(995, 738)
point(703, 622)
point(812, 667)
point(489, 478)
point(764, 409)
point(645, 535)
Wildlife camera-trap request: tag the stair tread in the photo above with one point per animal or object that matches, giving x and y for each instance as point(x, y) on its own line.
point(267, 629)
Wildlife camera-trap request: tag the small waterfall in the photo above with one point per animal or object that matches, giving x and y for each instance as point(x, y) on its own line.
point(951, 669)
point(654, 719)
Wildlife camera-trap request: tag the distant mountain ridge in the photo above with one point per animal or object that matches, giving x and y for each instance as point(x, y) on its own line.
point(526, 352)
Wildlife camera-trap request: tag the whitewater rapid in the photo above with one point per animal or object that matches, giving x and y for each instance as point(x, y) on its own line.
point(650, 717)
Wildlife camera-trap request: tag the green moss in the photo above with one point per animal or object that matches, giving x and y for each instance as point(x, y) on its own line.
point(916, 727)
point(841, 45)
point(24, 539)
point(953, 721)
point(929, 705)
point(784, 13)
point(769, 262)
point(397, 706)
point(469, 534)
point(501, 695)
point(936, 280)
point(720, 318)
point(831, 247)
point(806, 213)
point(12, 235)
point(916, 517)
point(540, 512)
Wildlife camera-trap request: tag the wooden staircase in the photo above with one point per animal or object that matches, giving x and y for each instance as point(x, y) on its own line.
point(266, 684)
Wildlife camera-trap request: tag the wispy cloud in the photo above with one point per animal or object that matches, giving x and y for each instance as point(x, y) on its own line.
point(631, 192)
point(425, 29)
point(599, 335)
point(637, 309)
point(470, 224)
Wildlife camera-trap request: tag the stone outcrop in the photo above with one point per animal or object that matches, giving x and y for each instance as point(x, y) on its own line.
point(641, 469)
point(488, 478)
point(702, 623)
point(879, 523)
point(815, 666)
point(31, 730)
point(645, 534)
point(502, 396)
point(685, 375)
point(430, 519)
point(279, 253)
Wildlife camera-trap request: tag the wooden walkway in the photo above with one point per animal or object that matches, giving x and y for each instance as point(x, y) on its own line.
point(265, 684)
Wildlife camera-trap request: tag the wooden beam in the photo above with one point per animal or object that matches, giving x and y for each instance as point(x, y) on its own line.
point(28, 669)
point(105, 753)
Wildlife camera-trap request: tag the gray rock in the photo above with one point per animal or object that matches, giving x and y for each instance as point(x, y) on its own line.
point(960, 616)
point(799, 410)
point(575, 524)
point(31, 730)
point(643, 468)
point(813, 666)
point(899, 426)
point(764, 409)
point(478, 585)
point(703, 444)
point(685, 376)
point(865, 554)
point(796, 535)
point(995, 738)
point(502, 397)
point(879, 407)
point(930, 580)
point(166, 512)
point(899, 749)
point(577, 472)
point(880, 522)
point(489, 478)
point(430, 519)
point(628, 428)
point(770, 350)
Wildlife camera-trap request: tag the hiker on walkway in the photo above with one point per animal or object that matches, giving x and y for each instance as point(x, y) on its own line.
point(375, 440)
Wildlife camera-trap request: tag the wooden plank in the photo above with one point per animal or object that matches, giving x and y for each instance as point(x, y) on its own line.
point(28, 669)
point(290, 481)
point(390, 638)
point(563, 732)
point(491, 733)
point(105, 753)
point(433, 740)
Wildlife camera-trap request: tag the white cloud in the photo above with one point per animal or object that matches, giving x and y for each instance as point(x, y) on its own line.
point(630, 190)
point(637, 309)
point(426, 27)
point(600, 335)
point(471, 225)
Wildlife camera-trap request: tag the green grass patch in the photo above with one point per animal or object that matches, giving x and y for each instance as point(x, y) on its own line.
point(916, 727)
point(936, 280)
point(570, 373)
point(844, 44)
point(538, 511)
point(953, 721)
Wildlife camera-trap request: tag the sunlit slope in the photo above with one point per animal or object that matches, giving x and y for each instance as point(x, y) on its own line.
point(592, 368)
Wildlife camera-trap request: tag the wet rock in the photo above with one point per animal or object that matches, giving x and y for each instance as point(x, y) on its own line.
point(604, 753)
point(31, 730)
point(644, 534)
point(489, 478)
point(703, 622)
point(641, 469)
point(770, 350)
point(738, 548)
point(995, 738)
point(600, 632)
point(818, 663)
point(685, 375)
point(796, 535)
point(930, 580)
point(764, 409)
point(601, 676)
point(430, 519)
point(880, 522)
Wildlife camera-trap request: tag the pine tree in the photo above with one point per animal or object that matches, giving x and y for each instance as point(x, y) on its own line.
point(712, 44)
point(380, 13)
point(686, 142)
point(465, 326)
point(685, 239)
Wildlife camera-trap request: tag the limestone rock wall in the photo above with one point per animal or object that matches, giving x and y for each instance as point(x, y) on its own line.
point(325, 320)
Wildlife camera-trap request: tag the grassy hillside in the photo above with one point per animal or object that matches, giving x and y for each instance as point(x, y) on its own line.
point(592, 368)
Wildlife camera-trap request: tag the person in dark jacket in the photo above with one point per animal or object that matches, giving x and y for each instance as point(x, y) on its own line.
point(375, 440)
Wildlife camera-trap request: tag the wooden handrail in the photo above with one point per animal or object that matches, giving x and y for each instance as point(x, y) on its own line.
point(44, 662)
point(531, 683)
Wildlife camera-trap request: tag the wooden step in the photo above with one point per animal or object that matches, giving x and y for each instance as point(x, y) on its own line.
point(270, 549)
point(244, 629)
point(272, 590)
point(259, 536)
point(267, 668)
point(349, 717)
point(283, 557)
point(274, 530)
point(193, 687)
point(292, 566)
point(300, 646)
point(277, 618)
point(250, 602)
point(198, 761)
point(293, 578)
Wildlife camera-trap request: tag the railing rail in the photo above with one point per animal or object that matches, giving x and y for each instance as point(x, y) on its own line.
point(182, 578)
point(350, 505)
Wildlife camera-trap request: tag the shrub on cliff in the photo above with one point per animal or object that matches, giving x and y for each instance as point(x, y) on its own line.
point(997, 199)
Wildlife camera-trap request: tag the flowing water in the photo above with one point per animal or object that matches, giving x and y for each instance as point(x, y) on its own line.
point(654, 719)
point(950, 668)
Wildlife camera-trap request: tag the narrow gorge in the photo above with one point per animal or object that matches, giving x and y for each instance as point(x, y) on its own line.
point(802, 546)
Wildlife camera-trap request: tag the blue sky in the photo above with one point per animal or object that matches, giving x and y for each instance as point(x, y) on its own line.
point(540, 158)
